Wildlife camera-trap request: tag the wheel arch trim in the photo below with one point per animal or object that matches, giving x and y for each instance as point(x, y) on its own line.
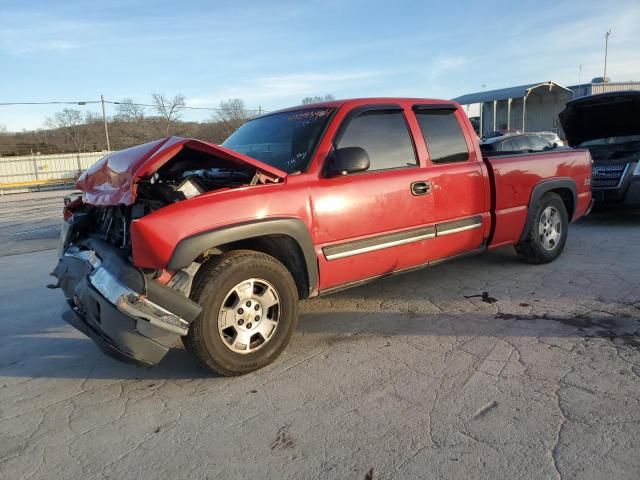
point(189, 248)
point(546, 186)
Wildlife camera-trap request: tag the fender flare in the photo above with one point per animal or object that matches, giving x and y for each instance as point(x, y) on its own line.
point(188, 249)
point(539, 190)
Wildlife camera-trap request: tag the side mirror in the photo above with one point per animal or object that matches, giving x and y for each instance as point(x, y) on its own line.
point(347, 160)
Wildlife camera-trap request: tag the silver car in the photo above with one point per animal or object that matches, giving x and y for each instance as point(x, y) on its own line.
point(552, 138)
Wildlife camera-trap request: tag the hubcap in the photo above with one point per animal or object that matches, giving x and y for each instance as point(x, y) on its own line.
point(549, 228)
point(249, 315)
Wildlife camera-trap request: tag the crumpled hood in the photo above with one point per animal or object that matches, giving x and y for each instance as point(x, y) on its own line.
point(605, 115)
point(112, 179)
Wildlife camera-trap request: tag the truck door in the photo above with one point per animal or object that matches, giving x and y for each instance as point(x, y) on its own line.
point(375, 222)
point(459, 182)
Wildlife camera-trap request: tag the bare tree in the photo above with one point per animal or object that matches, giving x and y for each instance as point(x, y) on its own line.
point(232, 110)
point(74, 124)
point(135, 127)
point(75, 130)
point(130, 112)
point(168, 108)
point(4, 137)
point(231, 114)
point(317, 99)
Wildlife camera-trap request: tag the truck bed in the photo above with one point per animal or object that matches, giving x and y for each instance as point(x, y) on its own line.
point(514, 177)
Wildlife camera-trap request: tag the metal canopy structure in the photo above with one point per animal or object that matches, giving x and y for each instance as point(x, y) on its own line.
point(535, 104)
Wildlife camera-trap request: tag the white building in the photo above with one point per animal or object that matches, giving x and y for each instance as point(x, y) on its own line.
point(532, 107)
point(597, 86)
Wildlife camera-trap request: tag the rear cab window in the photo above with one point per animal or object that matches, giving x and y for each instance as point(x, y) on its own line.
point(384, 135)
point(442, 134)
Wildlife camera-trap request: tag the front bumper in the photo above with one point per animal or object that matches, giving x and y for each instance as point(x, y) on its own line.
point(625, 194)
point(131, 318)
point(623, 197)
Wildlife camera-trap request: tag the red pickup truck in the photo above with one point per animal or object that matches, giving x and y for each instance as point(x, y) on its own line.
point(217, 243)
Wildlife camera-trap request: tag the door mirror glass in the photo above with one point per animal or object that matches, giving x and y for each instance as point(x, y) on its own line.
point(347, 160)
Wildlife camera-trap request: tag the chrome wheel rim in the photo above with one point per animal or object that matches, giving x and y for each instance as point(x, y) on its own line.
point(248, 318)
point(550, 228)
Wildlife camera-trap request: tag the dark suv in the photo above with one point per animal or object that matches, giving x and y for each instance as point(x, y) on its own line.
point(608, 125)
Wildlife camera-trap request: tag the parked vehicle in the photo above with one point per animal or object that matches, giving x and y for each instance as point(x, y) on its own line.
point(216, 244)
point(512, 144)
point(552, 138)
point(501, 133)
point(608, 124)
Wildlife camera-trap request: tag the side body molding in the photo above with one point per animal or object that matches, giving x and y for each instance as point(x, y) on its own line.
point(190, 248)
point(539, 190)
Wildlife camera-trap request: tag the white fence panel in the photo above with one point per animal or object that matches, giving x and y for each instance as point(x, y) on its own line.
point(43, 169)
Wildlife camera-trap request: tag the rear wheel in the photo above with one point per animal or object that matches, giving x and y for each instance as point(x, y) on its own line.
point(546, 238)
point(250, 311)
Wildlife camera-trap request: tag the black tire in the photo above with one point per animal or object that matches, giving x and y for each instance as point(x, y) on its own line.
point(211, 287)
point(532, 248)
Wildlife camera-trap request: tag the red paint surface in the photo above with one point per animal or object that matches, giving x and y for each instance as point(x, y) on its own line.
point(350, 207)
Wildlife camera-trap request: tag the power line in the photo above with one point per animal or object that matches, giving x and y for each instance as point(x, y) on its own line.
point(102, 101)
point(92, 102)
point(82, 102)
point(218, 109)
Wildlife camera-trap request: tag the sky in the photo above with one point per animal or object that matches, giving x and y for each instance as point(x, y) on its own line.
point(272, 54)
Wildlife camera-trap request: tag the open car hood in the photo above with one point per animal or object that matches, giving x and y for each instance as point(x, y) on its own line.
point(605, 115)
point(112, 179)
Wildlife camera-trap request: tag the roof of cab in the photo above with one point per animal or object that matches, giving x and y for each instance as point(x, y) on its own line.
point(354, 102)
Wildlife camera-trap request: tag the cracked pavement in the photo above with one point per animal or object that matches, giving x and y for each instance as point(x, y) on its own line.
point(402, 378)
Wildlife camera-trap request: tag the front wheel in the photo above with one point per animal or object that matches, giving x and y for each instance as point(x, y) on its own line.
point(250, 311)
point(548, 234)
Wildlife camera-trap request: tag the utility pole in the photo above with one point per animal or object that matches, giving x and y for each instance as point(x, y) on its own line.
point(606, 50)
point(579, 73)
point(104, 119)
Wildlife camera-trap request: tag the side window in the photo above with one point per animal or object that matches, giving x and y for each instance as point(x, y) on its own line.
point(443, 135)
point(520, 143)
point(385, 137)
point(508, 146)
point(538, 143)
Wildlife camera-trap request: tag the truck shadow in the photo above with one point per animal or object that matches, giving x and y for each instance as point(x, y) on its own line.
point(52, 356)
point(56, 357)
point(621, 331)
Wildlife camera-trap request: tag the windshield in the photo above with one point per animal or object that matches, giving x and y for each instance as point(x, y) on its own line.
point(283, 140)
point(611, 140)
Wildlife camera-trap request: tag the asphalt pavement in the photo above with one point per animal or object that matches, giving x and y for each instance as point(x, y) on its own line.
point(480, 368)
point(30, 222)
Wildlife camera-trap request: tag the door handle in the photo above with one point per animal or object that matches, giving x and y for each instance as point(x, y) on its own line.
point(420, 188)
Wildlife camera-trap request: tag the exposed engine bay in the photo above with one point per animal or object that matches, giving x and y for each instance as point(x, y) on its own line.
point(188, 174)
point(191, 173)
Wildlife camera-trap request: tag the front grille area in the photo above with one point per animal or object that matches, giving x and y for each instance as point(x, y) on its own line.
point(608, 176)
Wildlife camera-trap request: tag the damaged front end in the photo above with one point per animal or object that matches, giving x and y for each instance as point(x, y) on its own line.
point(136, 314)
point(127, 313)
